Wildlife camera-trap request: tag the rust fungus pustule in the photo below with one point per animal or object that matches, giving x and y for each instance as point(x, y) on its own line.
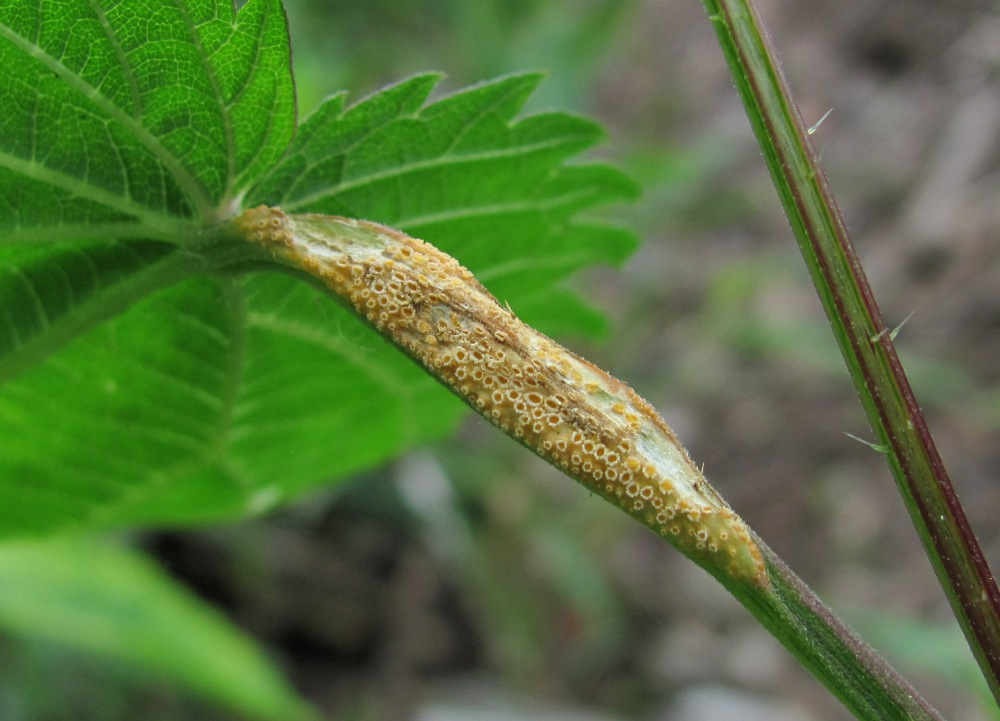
point(582, 420)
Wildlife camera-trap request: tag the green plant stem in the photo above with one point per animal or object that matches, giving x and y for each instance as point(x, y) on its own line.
point(862, 680)
point(861, 333)
point(355, 261)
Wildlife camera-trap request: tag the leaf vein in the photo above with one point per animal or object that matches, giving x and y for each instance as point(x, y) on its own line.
point(437, 163)
point(193, 188)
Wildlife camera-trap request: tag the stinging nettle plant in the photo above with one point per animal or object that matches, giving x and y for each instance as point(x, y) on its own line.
point(155, 368)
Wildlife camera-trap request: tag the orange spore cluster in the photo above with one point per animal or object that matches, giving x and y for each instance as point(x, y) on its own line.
point(568, 411)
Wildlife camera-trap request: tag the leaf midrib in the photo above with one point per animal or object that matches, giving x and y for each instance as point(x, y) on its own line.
point(194, 190)
point(227, 126)
point(152, 223)
point(96, 309)
point(431, 164)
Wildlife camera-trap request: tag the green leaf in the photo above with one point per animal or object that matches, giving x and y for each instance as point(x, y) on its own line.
point(53, 294)
point(124, 122)
point(113, 602)
point(220, 392)
point(132, 114)
point(462, 174)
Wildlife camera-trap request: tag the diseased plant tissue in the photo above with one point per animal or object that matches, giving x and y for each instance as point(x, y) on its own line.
point(587, 423)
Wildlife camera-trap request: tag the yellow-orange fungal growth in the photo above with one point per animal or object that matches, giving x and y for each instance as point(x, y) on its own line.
point(570, 412)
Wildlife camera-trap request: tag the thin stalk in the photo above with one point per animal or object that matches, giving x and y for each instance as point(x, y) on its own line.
point(588, 424)
point(864, 340)
point(854, 672)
